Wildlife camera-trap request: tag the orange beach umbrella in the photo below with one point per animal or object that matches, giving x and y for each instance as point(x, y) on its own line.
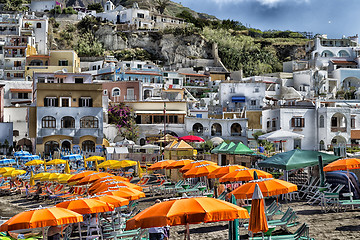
point(160, 165)
point(179, 163)
point(218, 173)
point(257, 222)
point(86, 206)
point(53, 216)
point(114, 200)
point(268, 187)
point(186, 211)
point(200, 171)
point(124, 192)
point(104, 185)
point(116, 178)
point(244, 175)
point(343, 164)
point(80, 175)
point(93, 177)
point(194, 164)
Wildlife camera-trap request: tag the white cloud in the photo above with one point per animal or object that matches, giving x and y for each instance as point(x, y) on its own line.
point(269, 3)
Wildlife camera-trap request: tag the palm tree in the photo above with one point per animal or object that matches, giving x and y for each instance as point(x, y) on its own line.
point(161, 5)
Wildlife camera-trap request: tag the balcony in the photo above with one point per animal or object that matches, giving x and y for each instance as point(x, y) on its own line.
point(338, 129)
point(232, 109)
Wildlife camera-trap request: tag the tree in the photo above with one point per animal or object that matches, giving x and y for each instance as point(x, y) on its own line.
point(89, 46)
point(122, 116)
point(14, 5)
point(96, 6)
point(160, 5)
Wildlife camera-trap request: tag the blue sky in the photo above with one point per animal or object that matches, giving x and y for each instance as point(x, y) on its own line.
point(333, 17)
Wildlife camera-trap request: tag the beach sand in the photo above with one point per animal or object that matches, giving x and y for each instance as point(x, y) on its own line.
point(342, 225)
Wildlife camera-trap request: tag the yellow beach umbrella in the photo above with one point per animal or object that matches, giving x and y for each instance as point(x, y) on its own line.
point(14, 173)
point(94, 158)
point(67, 167)
point(50, 177)
point(32, 181)
point(108, 163)
point(34, 162)
point(40, 175)
point(44, 166)
point(63, 178)
point(85, 165)
point(56, 162)
point(124, 164)
point(6, 169)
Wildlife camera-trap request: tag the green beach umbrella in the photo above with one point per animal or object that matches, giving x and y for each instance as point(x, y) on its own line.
point(226, 149)
point(221, 146)
point(240, 148)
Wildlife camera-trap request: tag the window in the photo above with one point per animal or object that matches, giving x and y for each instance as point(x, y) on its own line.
point(253, 102)
point(268, 124)
point(198, 115)
point(334, 122)
point(68, 122)
point(65, 102)
point(173, 119)
point(85, 102)
point(140, 15)
point(130, 92)
point(48, 122)
point(89, 122)
point(232, 90)
point(139, 66)
point(175, 81)
point(51, 102)
point(23, 95)
point(94, 67)
point(158, 119)
point(105, 92)
point(88, 146)
point(166, 74)
point(16, 133)
point(274, 123)
point(38, 25)
point(79, 80)
point(63, 63)
point(128, 65)
point(297, 143)
point(256, 90)
point(50, 80)
point(297, 122)
point(352, 122)
point(41, 80)
point(115, 92)
point(322, 121)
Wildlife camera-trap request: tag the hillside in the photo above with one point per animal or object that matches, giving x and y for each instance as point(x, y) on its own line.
point(172, 9)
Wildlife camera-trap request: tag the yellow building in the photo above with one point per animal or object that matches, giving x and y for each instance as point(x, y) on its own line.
point(66, 60)
point(68, 113)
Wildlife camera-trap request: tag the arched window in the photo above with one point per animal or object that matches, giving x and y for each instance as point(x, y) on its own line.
point(216, 129)
point(115, 92)
point(198, 128)
point(327, 53)
point(50, 147)
point(88, 146)
point(68, 122)
point(89, 122)
point(38, 25)
point(343, 53)
point(321, 145)
point(66, 145)
point(235, 129)
point(36, 62)
point(48, 122)
point(322, 122)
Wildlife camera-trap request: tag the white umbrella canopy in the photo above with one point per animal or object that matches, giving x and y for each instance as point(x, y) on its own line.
point(216, 140)
point(280, 135)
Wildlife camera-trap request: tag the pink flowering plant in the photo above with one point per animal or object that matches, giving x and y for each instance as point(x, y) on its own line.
point(122, 116)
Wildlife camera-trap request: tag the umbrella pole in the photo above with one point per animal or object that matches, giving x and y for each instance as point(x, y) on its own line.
point(187, 232)
point(79, 226)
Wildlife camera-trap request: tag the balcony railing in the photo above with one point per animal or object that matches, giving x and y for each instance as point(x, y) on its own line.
point(338, 129)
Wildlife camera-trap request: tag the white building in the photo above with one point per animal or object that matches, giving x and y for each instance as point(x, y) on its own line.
point(42, 5)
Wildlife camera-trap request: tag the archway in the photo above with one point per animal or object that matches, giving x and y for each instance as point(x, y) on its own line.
point(327, 53)
point(338, 140)
point(338, 123)
point(66, 145)
point(235, 129)
point(88, 146)
point(198, 128)
point(50, 147)
point(321, 145)
point(343, 53)
point(216, 129)
point(147, 94)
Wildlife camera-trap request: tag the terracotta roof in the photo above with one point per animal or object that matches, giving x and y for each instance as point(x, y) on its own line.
point(338, 62)
point(20, 90)
point(355, 134)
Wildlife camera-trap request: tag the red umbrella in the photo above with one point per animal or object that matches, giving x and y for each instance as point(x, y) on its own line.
point(192, 138)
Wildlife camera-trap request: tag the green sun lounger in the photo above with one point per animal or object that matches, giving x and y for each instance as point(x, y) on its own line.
point(301, 233)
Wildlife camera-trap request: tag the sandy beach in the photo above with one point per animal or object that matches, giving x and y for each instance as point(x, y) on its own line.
point(342, 225)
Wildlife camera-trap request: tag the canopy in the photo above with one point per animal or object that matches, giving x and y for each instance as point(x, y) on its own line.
point(226, 148)
point(221, 146)
point(73, 157)
point(182, 145)
point(86, 206)
point(21, 153)
point(34, 162)
point(160, 165)
point(296, 159)
point(280, 135)
point(343, 164)
point(192, 138)
point(7, 161)
point(217, 140)
point(240, 148)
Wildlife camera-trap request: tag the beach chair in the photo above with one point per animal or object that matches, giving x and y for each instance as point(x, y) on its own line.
point(194, 188)
point(318, 196)
point(284, 220)
point(309, 188)
point(174, 188)
point(330, 201)
point(270, 212)
point(301, 233)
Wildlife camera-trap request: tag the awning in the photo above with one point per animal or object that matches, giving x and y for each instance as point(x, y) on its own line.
point(160, 112)
point(20, 90)
point(355, 134)
point(238, 99)
point(112, 150)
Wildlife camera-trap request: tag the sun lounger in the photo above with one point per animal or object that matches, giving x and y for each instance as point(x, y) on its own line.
point(301, 233)
point(194, 188)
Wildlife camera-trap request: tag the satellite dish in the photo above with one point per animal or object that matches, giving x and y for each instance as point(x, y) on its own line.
point(64, 70)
